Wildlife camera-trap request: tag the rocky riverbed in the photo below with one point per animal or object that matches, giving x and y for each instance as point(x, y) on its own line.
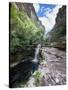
point(52, 69)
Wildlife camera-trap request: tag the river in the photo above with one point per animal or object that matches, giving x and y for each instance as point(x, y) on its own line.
point(52, 68)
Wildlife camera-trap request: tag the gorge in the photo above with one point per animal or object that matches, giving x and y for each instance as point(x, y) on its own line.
point(35, 61)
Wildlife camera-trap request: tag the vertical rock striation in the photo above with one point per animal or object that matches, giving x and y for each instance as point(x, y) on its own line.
point(57, 36)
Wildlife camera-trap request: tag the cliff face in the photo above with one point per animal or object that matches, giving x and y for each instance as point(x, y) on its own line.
point(61, 17)
point(26, 31)
point(29, 9)
point(57, 35)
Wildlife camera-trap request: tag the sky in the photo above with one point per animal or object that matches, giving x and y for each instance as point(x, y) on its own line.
point(47, 14)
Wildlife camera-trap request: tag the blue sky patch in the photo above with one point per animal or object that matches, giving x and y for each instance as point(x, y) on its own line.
point(43, 8)
point(47, 14)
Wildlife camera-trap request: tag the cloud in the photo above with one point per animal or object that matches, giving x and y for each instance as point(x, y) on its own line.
point(48, 20)
point(37, 7)
point(47, 10)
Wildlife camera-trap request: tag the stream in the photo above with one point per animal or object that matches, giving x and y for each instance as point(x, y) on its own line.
point(52, 69)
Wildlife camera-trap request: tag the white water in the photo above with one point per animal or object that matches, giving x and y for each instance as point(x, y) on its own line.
point(36, 53)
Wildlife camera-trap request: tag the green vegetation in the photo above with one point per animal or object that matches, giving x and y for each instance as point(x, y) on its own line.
point(38, 77)
point(23, 32)
point(58, 33)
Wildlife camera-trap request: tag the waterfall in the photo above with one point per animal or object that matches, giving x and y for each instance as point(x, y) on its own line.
point(36, 53)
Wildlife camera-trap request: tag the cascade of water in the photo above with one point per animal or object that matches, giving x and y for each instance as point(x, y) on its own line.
point(36, 53)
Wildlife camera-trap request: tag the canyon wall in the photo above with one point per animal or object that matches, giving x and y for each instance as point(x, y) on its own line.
point(57, 36)
point(26, 31)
